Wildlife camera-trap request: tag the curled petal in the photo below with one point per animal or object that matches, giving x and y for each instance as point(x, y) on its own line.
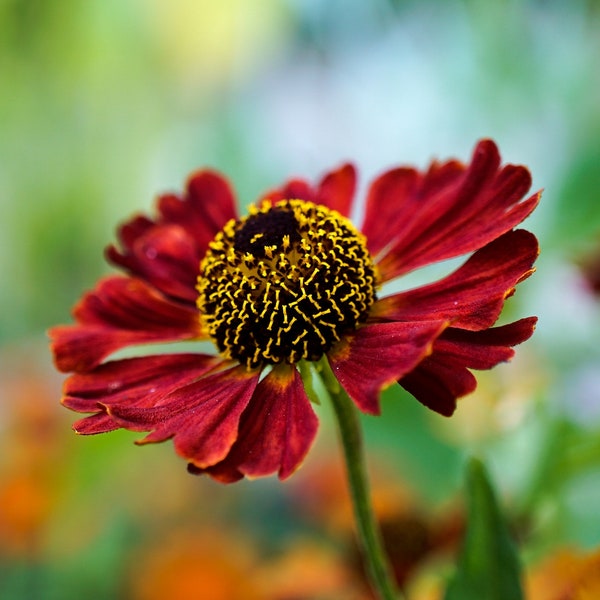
point(449, 211)
point(276, 430)
point(473, 296)
point(207, 205)
point(130, 231)
point(165, 256)
point(120, 312)
point(375, 356)
point(201, 417)
point(178, 238)
point(444, 376)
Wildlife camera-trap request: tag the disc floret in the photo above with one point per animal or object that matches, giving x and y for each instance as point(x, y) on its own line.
point(285, 283)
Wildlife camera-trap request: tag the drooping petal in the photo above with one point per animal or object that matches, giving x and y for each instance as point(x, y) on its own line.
point(443, 377)
point(375, 356)
point(437, 385)
point(166, 256)
point(471, 297)
point(119, 312)
point(276, 430)
point(201, 417)
point(336, 189)
point(447, 212)
point(141, 381)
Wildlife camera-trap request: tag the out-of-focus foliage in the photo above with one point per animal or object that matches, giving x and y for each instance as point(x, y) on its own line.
point(104, 104)
point(488, 566)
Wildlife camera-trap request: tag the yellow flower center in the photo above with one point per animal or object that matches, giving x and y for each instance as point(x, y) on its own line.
point(284, 283)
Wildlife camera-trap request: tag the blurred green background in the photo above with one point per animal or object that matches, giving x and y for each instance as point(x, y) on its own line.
point(106, 103)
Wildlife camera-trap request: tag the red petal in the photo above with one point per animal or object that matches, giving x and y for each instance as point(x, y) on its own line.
point(121, 311)
point(165, 256)
point(167, 251)
point(204, 209)
point(437, 385)
point(133, 229)
point(484, 349)
point(451, 212)
point(295, 189)
point(276, 430)
point(443, 376)
point(201, 417)
point(473, 296)
point(99, 423)
point(336, 189)
point(377, 355)
point(138, 381)
point(212, 204)
point(388, 198)
point(220, 472)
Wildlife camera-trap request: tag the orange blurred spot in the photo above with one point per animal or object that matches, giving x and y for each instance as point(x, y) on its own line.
point(310, 570)
point(30, 448)
point(568, 575)
point(24, 507)
point(186, 566)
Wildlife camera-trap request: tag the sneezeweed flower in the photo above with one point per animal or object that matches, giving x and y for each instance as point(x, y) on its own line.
point(295, 283)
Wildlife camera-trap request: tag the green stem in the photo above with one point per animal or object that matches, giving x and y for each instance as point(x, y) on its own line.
point(377, 564)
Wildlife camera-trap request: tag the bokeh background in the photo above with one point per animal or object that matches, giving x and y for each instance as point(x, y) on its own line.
point(106, 103)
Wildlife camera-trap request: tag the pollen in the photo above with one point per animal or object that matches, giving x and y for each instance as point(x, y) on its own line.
point(284, 283)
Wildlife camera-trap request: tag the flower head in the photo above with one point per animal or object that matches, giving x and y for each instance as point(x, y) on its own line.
point(293, 283)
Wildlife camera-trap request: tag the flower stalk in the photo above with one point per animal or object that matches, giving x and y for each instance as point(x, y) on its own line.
point(370, 540)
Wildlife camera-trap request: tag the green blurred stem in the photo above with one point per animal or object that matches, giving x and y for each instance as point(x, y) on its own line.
point(377, 564)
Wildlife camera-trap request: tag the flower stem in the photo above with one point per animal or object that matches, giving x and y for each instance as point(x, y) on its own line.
point(377, 564)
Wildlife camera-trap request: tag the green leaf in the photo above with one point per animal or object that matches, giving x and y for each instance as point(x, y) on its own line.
point(488, 564)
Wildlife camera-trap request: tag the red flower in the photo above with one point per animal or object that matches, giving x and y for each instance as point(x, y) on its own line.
point(289, 284)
